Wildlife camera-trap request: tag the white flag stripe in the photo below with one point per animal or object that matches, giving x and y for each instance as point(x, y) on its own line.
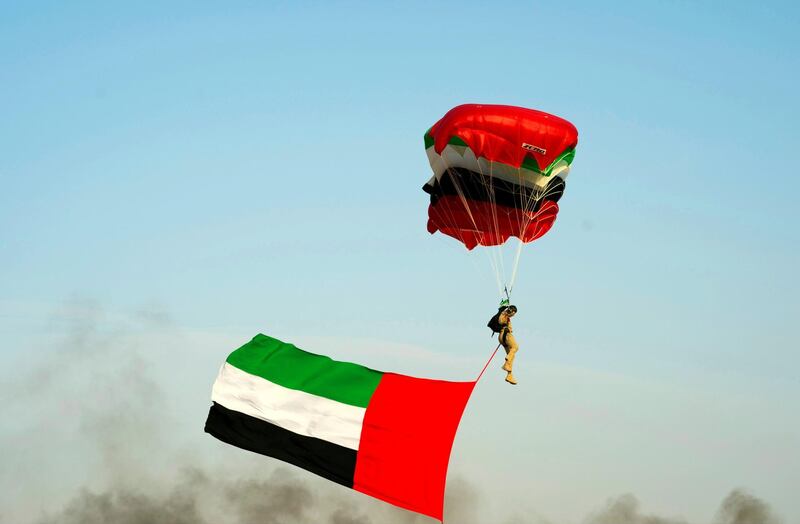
point(296, 411)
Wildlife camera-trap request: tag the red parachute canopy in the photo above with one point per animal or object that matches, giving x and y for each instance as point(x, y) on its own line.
point(498, 172)
point(481, 225)
point(501, 133)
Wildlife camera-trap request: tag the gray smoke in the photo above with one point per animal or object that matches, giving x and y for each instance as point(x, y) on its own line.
point(738, 507)
point(742, 508)
point(105, 438)
point(625, 510)
point(105, 392)
point(199, 499)
point(124, 507)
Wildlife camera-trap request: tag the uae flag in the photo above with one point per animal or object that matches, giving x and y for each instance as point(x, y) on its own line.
point(383, 434)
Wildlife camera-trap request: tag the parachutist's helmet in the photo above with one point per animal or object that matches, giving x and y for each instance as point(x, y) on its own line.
point(512, 309)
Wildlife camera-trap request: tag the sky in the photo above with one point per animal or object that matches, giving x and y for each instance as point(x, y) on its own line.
point(177, 178)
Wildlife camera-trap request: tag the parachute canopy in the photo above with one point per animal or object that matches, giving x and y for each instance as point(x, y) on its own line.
point(498, 172)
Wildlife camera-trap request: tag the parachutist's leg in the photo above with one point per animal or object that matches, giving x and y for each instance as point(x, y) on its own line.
point(506, 348)
point(509, 363)
point(511, 348)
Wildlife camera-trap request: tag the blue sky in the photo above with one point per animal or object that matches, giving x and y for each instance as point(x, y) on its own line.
point(256, 167)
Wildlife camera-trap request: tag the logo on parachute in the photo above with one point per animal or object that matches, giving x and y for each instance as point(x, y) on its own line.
point(535, 149)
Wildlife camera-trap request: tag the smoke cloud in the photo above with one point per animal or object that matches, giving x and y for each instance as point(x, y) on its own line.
point(103, 435)
point(742, 508)
point(625, 510)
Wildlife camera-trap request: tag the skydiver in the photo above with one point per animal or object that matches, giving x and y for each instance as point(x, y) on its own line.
point(501, 323)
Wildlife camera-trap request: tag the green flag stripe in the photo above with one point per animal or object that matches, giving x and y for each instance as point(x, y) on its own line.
point(286, 365)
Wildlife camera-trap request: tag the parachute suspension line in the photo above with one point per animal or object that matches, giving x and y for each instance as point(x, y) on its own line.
point(516, 266)
point(495, 258)
point(496, 252)
point(487, 363)
point(498, 249)
point(463, 197)
point(498, 280)
point(493, 262)
point(528, 195)
point(524, 221)
point(527, 203)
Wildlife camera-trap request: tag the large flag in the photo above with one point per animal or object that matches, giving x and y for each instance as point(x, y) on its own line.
point(383, 434)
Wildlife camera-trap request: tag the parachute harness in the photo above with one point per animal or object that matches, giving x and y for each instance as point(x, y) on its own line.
point(506, 301)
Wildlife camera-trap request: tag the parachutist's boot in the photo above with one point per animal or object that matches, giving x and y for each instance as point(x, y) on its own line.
point(511, 353)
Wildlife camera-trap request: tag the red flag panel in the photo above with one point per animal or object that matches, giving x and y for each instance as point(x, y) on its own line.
point(406, 441)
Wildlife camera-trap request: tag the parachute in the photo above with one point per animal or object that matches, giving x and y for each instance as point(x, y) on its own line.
point(498, 172)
